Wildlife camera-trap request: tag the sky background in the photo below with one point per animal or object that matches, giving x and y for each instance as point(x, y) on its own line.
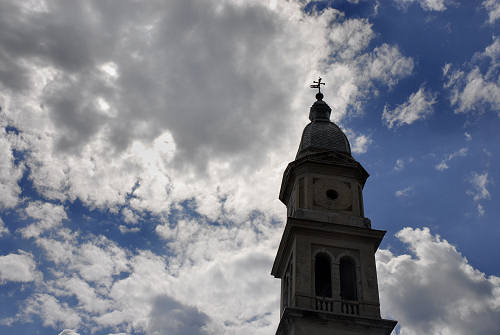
point(142, 146)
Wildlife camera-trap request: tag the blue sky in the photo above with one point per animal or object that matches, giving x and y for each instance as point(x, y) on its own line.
point(143, 145)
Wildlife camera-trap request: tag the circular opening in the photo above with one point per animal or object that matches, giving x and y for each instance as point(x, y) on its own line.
point(332, 194)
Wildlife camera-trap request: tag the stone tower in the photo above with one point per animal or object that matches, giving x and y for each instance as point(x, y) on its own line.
point(326, 257)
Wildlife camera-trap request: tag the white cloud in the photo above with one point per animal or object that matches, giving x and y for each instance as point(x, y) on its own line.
point(404, 192)
point(129, 216)
point(479, 191)
point(468, 136)
point(493, 8)
point(387, 64)
point(401, 163)
point(427, 5)
point(480, 210)
point(435, 290)
point(47, 216)
point(446, 68)
point(418, 106)
point(443, 165)
point(479, 183)
point(10, 172)
point(17, 267)
point(492, 52)
point(52, 312)
point(476, 91)
point(351, 37)
point(360, 144)
point(3, 229)
point(473, 90)
point(88, 297)
point(99, 260)
point(124, 229)
point(59, 252)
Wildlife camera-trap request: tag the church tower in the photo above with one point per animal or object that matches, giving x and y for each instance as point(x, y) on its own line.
point(326, 257)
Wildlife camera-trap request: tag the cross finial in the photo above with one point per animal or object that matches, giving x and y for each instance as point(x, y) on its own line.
point(317, 84)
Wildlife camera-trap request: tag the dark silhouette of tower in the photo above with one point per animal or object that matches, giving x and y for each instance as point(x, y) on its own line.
point(326, 258)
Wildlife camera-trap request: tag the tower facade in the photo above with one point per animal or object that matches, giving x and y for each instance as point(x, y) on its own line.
point(326, 257)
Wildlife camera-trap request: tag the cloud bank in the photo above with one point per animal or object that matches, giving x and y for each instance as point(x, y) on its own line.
point(175, 100)
point(434, 290)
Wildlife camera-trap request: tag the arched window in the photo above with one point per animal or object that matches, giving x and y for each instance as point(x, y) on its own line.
point(323, 276)
point(348, 286)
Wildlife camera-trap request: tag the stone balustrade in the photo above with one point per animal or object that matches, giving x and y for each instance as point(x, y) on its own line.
point(324, 304)
point(349, 307)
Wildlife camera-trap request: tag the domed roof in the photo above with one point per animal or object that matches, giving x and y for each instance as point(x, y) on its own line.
point(321, 134)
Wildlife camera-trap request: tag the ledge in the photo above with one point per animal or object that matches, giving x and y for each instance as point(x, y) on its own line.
point(325, 320)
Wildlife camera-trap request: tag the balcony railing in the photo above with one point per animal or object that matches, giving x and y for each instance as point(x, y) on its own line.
point(324, 304)
point(349, 307)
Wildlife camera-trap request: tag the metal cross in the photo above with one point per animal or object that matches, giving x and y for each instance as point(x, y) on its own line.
point(317, 84)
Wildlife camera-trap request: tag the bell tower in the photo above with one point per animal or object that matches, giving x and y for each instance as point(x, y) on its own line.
point(326, 257)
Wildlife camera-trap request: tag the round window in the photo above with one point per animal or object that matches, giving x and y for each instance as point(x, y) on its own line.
point(332, 194)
